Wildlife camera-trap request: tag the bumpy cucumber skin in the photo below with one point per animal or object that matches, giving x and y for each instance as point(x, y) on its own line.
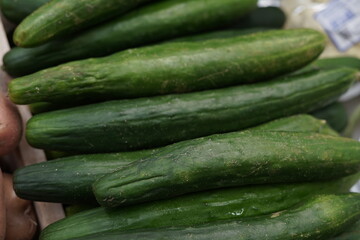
point(125, 125)
point(17, 10)
point(194, 209)
point(175, 67)
point(228, 160)
point(60, 17)
point(320, 218)
point(153, 23)
point(75, 175)
point(335, 115)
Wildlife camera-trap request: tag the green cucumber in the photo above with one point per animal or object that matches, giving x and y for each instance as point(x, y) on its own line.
point(194, 209)
point(331, 63)
point(174, 67)
point(156, 22)
point(62, 17)
point(229, 160)
point(269, 17)
point(351, 62)
point(319, 218)
point(17, 10)
point(353, 233)
point(75, 175)
point(125, 125)
point(335, 115)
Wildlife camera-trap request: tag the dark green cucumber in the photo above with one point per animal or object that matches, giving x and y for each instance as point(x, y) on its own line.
point(62, 17)
point(353, 233)
point(194, 209)
point(153, 23)
point(174, 67)
point(75, 175)
point(17, 10)
point(41, 107)
point(153, 122)
point(319, 218)
point(335, 115)
point(270, 17)
point(229, 160)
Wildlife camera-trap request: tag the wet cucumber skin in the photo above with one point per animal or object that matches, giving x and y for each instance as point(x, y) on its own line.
point(319, 218)
point(75, 175)
point(174, 67)
point(194, 209)
point(142, 123)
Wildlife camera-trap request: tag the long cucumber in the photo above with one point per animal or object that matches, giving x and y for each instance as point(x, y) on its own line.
point(75, 175)
point(194, 209)
point(229, 160)
point(125, 125)
point(62, 17)
point(174, 67)
point(319, 218)
point(159, 21)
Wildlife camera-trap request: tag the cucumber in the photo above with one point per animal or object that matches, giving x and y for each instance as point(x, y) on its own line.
point(156, 22)
point(335, 115)
point(228, 160)
point(62, 17)
point(353, 233)
point(174, 67)
point(75, 175)
point(194, 209)
point(331, 63)
point(125, 125)
point(17, 10)
point(351, 62)
point(268, 17)
point(319, 218)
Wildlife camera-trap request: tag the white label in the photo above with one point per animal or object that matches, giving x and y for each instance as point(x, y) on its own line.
point(341, 21)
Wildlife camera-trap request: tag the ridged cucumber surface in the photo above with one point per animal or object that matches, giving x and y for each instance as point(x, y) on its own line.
point(194, 209)
point(125, 125)
point(174, 67)
point(62, 17)
point(229, 160)
point(75, 175)
point(156, 22)
point(320, 218)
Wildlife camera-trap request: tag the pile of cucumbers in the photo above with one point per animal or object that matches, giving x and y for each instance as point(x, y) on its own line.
point(183, 119)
